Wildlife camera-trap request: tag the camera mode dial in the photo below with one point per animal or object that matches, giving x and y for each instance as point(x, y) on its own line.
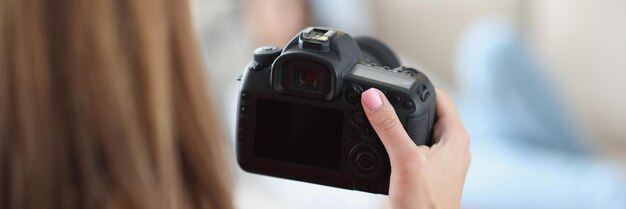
point(265, 56)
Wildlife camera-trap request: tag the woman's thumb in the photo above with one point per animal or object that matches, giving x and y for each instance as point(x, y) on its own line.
point(384, 120)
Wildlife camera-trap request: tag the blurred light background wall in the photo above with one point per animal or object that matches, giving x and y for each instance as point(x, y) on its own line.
point(582, 43)
point(580, 46)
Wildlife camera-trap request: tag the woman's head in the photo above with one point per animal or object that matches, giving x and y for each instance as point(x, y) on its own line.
point(103, 105)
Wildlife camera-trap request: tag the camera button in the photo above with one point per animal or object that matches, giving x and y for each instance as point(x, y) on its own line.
point(425, 95)
point(368, 131)
point(365, 161)
point(353, 94)
point(395, 99)
point(423, 92)
point(408, 104)
point(245, 124)
point(243, 138)
point(409, 71)
point(245, 110)
point(359, 118)
point(245, 96)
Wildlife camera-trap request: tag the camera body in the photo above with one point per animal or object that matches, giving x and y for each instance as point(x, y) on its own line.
point(300, 116)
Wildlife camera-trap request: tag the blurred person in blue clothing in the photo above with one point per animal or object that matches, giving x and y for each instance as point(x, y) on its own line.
point(527, 151)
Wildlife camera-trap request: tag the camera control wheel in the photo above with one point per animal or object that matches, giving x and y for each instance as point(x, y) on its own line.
point(366, 160)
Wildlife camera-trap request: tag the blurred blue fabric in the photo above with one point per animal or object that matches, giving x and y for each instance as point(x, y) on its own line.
point(526, 151)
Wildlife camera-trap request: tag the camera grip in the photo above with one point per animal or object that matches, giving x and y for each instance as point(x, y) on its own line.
point(417, 128)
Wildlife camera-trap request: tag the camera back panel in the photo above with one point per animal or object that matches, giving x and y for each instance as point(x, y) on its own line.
point(327, 140)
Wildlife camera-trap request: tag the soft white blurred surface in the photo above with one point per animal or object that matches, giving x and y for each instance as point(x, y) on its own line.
point(584, 44)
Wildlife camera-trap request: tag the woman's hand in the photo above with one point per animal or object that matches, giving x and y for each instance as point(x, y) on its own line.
point(421, 176)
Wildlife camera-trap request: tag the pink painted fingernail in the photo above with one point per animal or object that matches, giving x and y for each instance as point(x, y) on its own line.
point(372, 99)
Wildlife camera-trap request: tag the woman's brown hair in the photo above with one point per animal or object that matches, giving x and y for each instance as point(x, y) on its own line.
point(103, 104)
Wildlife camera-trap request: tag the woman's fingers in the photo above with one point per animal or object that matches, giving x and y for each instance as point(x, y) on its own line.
point(385, 122)
point(448, 121)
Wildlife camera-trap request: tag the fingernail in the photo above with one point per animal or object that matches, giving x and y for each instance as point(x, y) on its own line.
point(372, 99)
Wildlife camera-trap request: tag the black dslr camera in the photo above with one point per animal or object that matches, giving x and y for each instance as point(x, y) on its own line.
point(300, 115)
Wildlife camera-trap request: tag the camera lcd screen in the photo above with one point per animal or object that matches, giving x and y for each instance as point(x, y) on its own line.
point(373, 73)
point(298, 133)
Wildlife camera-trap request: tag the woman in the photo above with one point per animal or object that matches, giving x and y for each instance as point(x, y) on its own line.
point(103, 105)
